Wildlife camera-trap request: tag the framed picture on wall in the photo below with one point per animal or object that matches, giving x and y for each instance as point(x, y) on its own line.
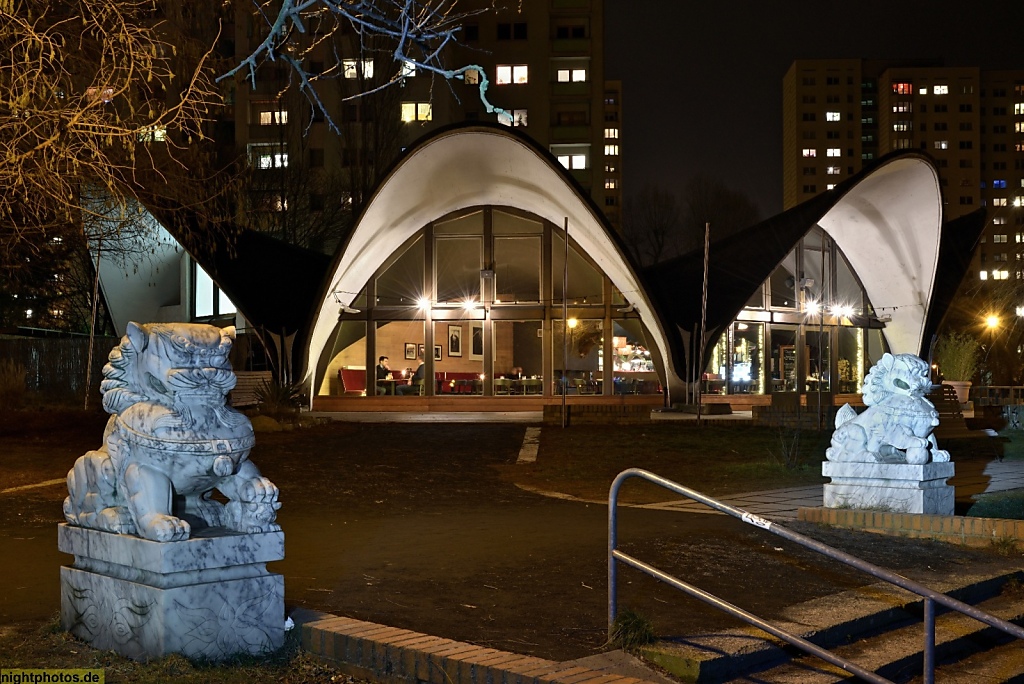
point(476, 349)
point(454, 340)
point(437, 352)
point(420, 351)
point(410, 350)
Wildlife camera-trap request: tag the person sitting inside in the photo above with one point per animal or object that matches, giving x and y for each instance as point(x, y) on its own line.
point(515, 374)
point(383, 373)
point(415, 384)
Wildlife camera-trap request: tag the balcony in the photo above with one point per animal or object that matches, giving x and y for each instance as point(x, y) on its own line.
point(570, 134)
point(580, 46)
point(577, 89)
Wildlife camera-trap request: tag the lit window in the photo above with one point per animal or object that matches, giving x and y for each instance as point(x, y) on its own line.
point(903, 88)
point(998, 201)
point(408, 70)
point(998, 238)
point(999, 221)
point(810, 152)
point(563, 75)
point(611, 132)
point(1000, 274)
point(350, 68)
point(1018, 201)
point(511, 73)
point(268, 156)
point(833, 171)
point(610, 168)
point(208, 298)
point(923, 90)
point(611, 150)
point(982, 275)
point(1018, 126)
point(832, 116)
point(942, 144)
point(833, 152)
point(153, 134)
point(902, 107)
point(999, 184)
point(106, 94)
point(416, 111)
point(830, 186)
point(901, 126)
point(1018, 108)
point(940, 90)
point(471, 77)
point(272, 117)
point(610, 183)
point(517, 117)
point(579, 75)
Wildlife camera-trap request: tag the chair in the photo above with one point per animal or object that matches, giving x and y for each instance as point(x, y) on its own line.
point(502, 386)
point(353, 381)
point(533, 386)
point(584, 387)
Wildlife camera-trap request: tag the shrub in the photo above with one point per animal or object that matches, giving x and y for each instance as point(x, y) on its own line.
point(276, 398)
point(13, 385)
point(957, 355)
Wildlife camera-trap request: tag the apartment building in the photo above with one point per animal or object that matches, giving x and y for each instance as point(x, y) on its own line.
point(839, 114)
point(545, 66)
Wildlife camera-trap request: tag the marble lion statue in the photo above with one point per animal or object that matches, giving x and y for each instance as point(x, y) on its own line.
point(897, 425)
point(170, 442)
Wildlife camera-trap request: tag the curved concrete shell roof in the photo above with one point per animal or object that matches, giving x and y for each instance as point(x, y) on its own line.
point(461, 168)
point(887, 220)
point(888, 225)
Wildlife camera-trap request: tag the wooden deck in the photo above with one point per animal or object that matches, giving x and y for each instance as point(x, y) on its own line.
point(440, 404)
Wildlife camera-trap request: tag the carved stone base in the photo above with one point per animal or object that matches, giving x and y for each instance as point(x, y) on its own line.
point(895, 487)
point(207, 597)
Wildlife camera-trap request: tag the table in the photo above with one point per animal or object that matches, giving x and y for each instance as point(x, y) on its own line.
point(390, 384)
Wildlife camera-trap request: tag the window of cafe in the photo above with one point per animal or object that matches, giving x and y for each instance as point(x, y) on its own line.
point(818, 335)
point(477, 297)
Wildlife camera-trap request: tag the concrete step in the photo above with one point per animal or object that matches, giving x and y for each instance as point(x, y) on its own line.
point(829, 622)
point(898, 654)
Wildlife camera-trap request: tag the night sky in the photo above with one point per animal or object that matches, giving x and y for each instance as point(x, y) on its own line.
point(702, 82)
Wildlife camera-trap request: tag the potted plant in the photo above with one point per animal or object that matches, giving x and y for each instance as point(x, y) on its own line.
point(957, 355)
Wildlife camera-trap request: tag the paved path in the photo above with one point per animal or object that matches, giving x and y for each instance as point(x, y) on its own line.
point(782, 504)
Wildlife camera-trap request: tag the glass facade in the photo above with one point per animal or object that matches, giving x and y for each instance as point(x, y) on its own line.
point(817, 334)
point(478, 297)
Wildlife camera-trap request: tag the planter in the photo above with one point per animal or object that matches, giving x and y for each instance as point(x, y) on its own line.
point(962, 387)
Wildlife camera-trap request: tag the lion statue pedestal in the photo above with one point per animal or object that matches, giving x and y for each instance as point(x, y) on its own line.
point(887, 458)
point(161, 566)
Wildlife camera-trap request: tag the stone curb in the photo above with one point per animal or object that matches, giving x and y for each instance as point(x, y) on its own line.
point(389, 655)
point(957, 529)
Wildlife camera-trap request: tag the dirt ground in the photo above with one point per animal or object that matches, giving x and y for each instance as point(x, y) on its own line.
point(421, 526)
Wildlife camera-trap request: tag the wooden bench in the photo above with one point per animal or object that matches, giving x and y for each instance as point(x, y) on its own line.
point(246, 383)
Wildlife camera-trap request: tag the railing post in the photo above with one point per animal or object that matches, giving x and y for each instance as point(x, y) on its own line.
point(613, 500)
point(929, 641)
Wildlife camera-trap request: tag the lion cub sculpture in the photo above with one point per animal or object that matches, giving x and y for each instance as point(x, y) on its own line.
point(171, 441)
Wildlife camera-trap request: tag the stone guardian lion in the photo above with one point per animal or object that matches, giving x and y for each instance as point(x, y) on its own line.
point(170, 442)
point(897, 425)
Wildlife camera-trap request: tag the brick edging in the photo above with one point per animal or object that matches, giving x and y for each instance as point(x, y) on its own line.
point(390, 655)
point(949, 528)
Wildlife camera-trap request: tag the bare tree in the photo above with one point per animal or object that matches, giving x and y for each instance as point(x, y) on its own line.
point(709, 200)
point(658, 224)
point(85, 87)
point(652, 225)
point(416, 33)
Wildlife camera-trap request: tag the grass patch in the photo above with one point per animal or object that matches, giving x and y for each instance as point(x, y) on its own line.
point(1009, 505)
point(583, 461)
point(46, 646)
point(631, 630)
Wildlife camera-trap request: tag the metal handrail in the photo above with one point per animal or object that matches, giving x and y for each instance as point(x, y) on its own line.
point(931, 597)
